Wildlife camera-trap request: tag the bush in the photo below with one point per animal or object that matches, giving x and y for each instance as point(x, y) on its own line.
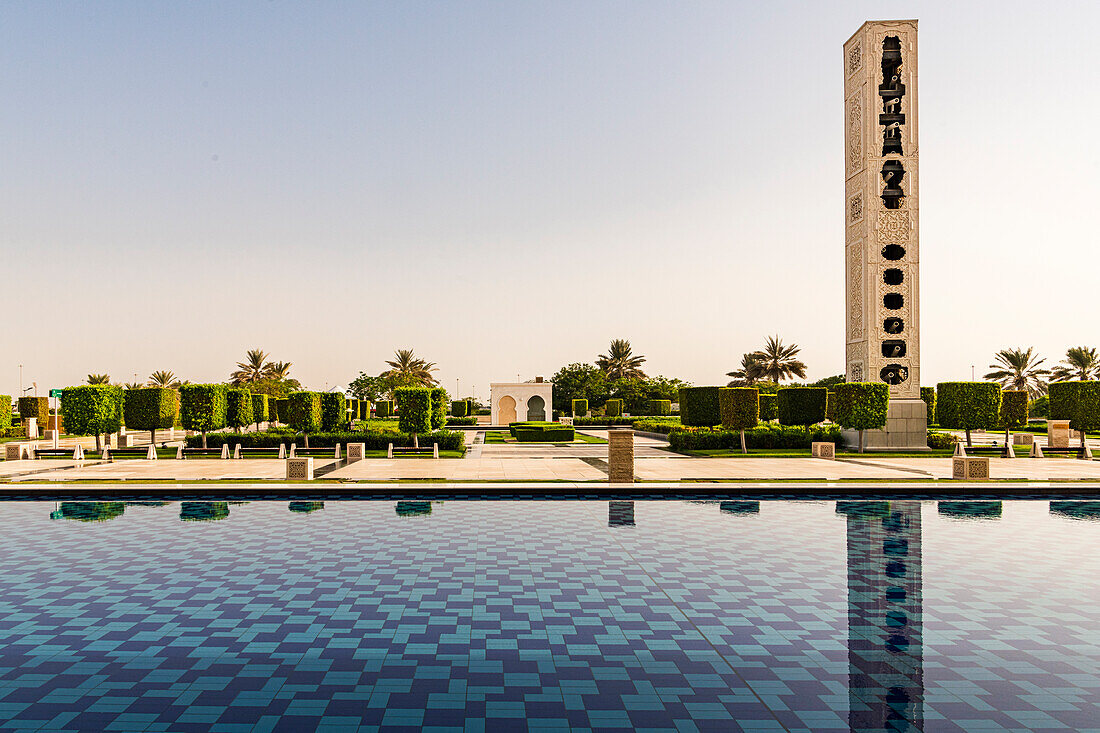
point(414, 409)
point(334, 412)
point(613, 408)
point(260, 413)
point(283, 409)
point(92, 409)
point(351, 411)
point(1039, 407)
point(383, 408)
point(1078, 402)
point(541, 432)
point(830, 406)
point(439, 407)
point(968, 406)
point(739, 407)
point(462, 421)
point(928, 394)
point(801, 405)
point(941, 441)
point(304, 412)
point(699, 406)
point(659, 407)
point(760, 437)
point(460, 408)
point(150, 408)
point(1013, 409)
point(36, 407)
point(862, 406)
point(374, 438)
point(769, 409)
point(238, 407)
point(203, 407)
point(657, 425)
point(5, 411)
point(580, 408)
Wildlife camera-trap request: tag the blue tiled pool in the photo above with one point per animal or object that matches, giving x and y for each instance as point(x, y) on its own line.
point(505, 615)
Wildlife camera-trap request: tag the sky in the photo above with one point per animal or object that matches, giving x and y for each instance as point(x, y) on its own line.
point(505, 187)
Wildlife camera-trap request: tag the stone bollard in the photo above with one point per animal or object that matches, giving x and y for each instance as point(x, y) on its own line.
point(620, 456)
point(356, 452)
point(970, 468)
point(1086, 453)
point(179, 452)
point(78, 452)
point(1058, 434)
point(237, 451)
point(389, 451)
point(1037, 450)
point(299, 469)
point(282, 451)
point(336, 454)
point(826, 450)
point(435, 450)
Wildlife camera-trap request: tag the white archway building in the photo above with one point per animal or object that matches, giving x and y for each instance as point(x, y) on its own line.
point(519, 401)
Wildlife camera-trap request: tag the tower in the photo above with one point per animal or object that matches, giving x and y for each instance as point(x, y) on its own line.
point(881, 246)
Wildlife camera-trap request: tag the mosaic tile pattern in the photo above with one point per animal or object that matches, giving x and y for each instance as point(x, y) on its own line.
point(571, 615)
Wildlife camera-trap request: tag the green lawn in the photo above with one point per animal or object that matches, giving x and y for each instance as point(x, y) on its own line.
point(497, 437)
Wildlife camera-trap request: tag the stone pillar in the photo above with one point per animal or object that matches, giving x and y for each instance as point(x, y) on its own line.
point(1057, 433)
point(620, 456)
point(30, 426)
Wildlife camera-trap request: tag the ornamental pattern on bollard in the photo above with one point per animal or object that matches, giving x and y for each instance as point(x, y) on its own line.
point(299, 469)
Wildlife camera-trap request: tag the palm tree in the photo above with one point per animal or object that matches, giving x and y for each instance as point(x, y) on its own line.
point(1081, 363)
point(620, 363)
point(252, 369)
point(133, 385)
point(778, 362)
point(750, 373)
point(99, 379)
point(163, 379)
point(1019, 369)
point(407, 369)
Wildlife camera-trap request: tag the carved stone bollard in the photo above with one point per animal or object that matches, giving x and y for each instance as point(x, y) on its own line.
point(620, 456)
point(356, 452)
point(1023, 439)
point(826, 450)
point(299, 469)
point(970, 468)
point(17, 451)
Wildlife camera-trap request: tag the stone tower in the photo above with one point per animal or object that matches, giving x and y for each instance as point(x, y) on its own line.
point(881, 205)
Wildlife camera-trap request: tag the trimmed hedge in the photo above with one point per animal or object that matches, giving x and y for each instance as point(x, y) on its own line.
point(304, 412)
point(150, 408)
point(460, 408)
point(36, 407)
point(1013, 409)
point(699, 406)
point(282, 407)
point(580, 408)
point(762, 436)
point(351, 410)
point(830, 406)
point(769, 410)
point(260, 412)
point(375, 439)
point(613, 408)
point(203, 406)
point(541, 432)
point(928, 394)
point(968, 405)
point(941, 441)
point(439, 407)
point(5, 411)
point(383, 408)
point(414, 409)
point(659, 407)
point(801, 405)
point(1078, 402)
point(92, 409)
point(739, 407)
point(334, 412)
point(238, 407)
point(462, 421)
point(862, 406)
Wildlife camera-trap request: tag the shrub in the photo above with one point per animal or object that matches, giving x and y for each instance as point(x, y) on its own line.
point(968, 406)
point(739, 409)
point(699, 406)
point(334, 411)
point(941, 441)
point(374, 438)
point(460, 408)
point(1078, 402)
point(769, 410)
point(260, 411)
point(283, 409)
point(351, 411)
point(92, 409)
point(471, 408)
point(830, 406)
point(414, 409)
point(462, 421)
point(928, 394)
point(439, 407)
point(36, 407)
point(203, 407)
point(613, 408)
point(150, 408)
point(801, 405)
point(1013, 409)
point(238, 407)
point(659, 407)
point(767, 436)
point(304, 412)
point(1039, 407)
point(5, 411)
point(862, 406)
point(541, 432)
point(580, 408)
point(383, 408)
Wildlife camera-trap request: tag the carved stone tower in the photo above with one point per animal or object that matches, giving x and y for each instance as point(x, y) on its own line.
point(881, 252)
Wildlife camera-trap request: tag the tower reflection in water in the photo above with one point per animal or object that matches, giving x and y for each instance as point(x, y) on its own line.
point(885, 653)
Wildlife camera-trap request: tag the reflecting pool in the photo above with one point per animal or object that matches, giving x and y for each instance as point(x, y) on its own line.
point(503, 615)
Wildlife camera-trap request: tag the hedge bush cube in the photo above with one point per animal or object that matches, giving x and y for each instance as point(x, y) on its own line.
point(459, 408)
point(580, 408)
point(699, 406)
point(238, 407)
point(304, 412)
point(334, 411)
point(613, 408)
point(768, 409)
point(36, 407)
point(928, 394)
point(739, 407)
point(801, 405)
point(968, 406)
point(150, 408)
point(1013, 409)
point(5, 411)
point(659, 407)
point(383, 408)
point(439, 407)
point(260, 412)
point(1078, 402)
point(203, 406)
point(92, 409)
point(414, 409)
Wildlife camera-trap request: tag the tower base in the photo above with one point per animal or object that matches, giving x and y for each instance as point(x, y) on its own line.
point(906, 429)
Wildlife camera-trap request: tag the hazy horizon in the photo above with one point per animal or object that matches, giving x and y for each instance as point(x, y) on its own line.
point(332, 182)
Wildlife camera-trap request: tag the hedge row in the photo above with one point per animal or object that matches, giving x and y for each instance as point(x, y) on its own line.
point(462, 421)
point(580, 408)
point(202, 407)
point(801, 405)
point(541, 432)
point(304, 412)
point(659, 407)
point(36, 407)
point(260, 411)
point(439, 407)
point(414, 409)
point(1013, 409)
point(92, 409)
point(613, 408)
point(739, 407)
point(763, 436)
point(928, 394)
point(150, 408)
point(375, 439)
point(968, 405)
point(459, 408)
point(769, 409)
point(699, 406)
point(334, 411)
point(383, 408)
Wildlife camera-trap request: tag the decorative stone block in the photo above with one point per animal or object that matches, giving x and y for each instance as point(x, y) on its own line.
point(620, 456)
point(1058, 434)
point(125, 441)
point(970, 468)
point(1023, 439)
point(18, 452)
point(299, 469)
point(825, 450)
point(356, 452)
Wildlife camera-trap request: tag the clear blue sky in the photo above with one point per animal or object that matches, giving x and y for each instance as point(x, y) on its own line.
point(507, 186)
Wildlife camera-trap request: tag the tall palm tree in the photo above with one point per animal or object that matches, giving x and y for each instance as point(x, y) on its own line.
point(163, 379)
point(252, 369)
point(279, 372)
point(1019, 369)
point(407, 369)
point(778, 362)
point(750, 373)
point(1081, 363)
point(99, 379)
point(619, 362)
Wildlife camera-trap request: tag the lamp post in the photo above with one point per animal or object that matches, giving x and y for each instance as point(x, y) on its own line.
point(20, 379)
